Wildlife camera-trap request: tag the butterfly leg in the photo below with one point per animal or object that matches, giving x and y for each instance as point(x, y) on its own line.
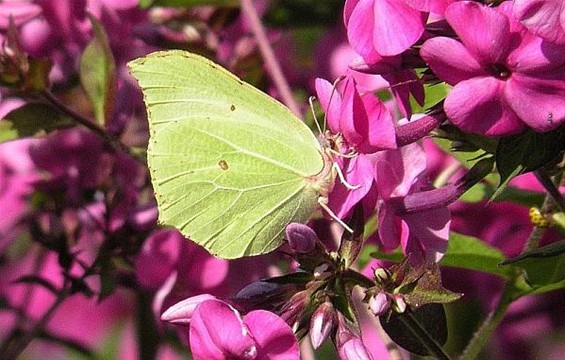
point(323, 201)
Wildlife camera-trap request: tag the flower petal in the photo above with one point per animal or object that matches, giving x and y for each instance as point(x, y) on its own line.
point(275, 339)
point(218, 333)
point(483, 30)
point(476, 105)
point(330, 99)
point(450, 60)
point(545, 18)
point(360, 29)
point(538, 102)
point(397, 26)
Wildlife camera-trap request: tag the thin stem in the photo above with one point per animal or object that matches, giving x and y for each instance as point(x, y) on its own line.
point(115, 143)
point(551, 185)
point(423, 337)
point(13, 347)
point(491, 322)
point(549, 202)
point(269, 57)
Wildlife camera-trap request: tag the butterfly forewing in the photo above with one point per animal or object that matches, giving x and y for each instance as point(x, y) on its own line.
point(229, 164)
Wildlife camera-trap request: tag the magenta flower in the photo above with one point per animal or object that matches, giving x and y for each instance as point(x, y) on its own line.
point(362, 119)
point(545, 18)
point(17, 175)
point(385, 27)
point(217, 331)
point(422, 235)
point(505, 78)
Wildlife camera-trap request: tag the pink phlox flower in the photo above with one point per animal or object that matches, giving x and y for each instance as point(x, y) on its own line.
point(401, 79)
point(505, 78)
point(218, 331)
point(385, 27)
point(421, 235)
point(177, 268)
point(545, 18)
point(367, 127)
point(362, 119)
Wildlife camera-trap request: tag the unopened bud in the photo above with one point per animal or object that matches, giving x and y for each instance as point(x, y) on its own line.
point(353, 349)
point(399, 303)
point(382, 276)
point(322, 324)
point(301, 238)
point(379, 303)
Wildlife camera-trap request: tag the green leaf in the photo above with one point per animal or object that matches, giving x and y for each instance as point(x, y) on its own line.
point(428, 289)
point(525, 152)
point(468, 252)
point(477, 193)
point(544, 267)
point(97, 74)
point(544, 274)
point(32, 120)
point(407, 329)
point(188, 3)
point(551, 250)
point(434, 93)
point(464, 252)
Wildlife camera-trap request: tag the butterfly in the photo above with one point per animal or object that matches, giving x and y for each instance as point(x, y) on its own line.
point(230, 166)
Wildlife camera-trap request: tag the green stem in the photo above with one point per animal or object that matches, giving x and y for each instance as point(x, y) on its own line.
point(114, 142)
point(147, 333)
point(483, 335)
point(434, 349)
point(273, 67)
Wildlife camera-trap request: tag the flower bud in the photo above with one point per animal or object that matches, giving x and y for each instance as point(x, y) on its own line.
point(293, 310)
point(382, 276)
point(301, 238)
point(399, 303)
point(322, 324)
point(353, 349)
point(379, 303)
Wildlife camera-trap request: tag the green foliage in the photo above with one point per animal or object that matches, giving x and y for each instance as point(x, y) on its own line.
point(468, 252)
point(32, 120)
point(544, 267)
point(407, 329)
point(97, 74)
point(303, 13)
point(465, 252)
point(525, 152)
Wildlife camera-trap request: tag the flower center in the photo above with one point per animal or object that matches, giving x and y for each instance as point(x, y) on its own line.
point(500, 71)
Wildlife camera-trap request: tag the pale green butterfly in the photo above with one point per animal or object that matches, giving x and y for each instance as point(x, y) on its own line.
point(230, 166)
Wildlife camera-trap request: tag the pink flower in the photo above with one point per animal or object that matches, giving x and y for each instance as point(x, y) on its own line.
point(422, 235)
point(505, 78)
point(385, 27)
point(17, 175)
point(545, 18)
point(362, 119)
point(217, 331)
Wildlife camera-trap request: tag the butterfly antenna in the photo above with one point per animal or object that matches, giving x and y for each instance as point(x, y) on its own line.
point(337, 81)
point(311, 102)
